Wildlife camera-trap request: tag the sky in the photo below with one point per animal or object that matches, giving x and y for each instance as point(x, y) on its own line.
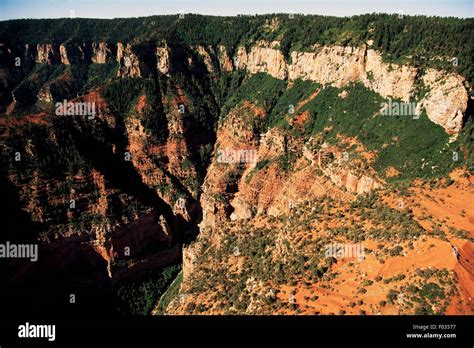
point(13, 9)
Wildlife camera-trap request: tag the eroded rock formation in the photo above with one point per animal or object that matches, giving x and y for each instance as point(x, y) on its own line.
point(46, 53)
point(101, 52)
point(163, 59)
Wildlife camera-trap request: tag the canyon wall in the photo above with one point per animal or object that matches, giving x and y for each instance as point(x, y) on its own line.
point(445, 101)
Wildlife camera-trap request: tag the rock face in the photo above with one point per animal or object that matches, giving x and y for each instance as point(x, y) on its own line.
point(235, 134)
point(206, 57)
point(352, 183)
point(101, 53)
point(45, 53)
point(129, 63)
point(446, 100)
point(138, 234)
point(70, 53)
point(120, 243)
point(328, 65)
point(388, 80)
point(242, 210)
point(163, 59)
point(338, 66)
point(120, 49)
point(63, 54)
point(225, 63)
point(241, 58)
point(263, 59)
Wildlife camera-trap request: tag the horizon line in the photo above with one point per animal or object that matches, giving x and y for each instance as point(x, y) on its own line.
point(242, 15)
point(123, 9)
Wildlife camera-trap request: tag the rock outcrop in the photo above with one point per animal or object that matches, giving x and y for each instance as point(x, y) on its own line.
point(446, 100)
point(206, 57)
point(46, 53)
point(388, 80)
point(351, 182)
point(131, 239)
point(129, 63)
point(101, 53)
point(63, 54)
point(242, 210)
point(71, 53)
point(335, 65)
point(163, 59)
point(241, 58)
point(262, 58)
point(225, 63)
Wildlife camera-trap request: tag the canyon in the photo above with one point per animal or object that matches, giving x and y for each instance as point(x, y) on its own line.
point(150, 190)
